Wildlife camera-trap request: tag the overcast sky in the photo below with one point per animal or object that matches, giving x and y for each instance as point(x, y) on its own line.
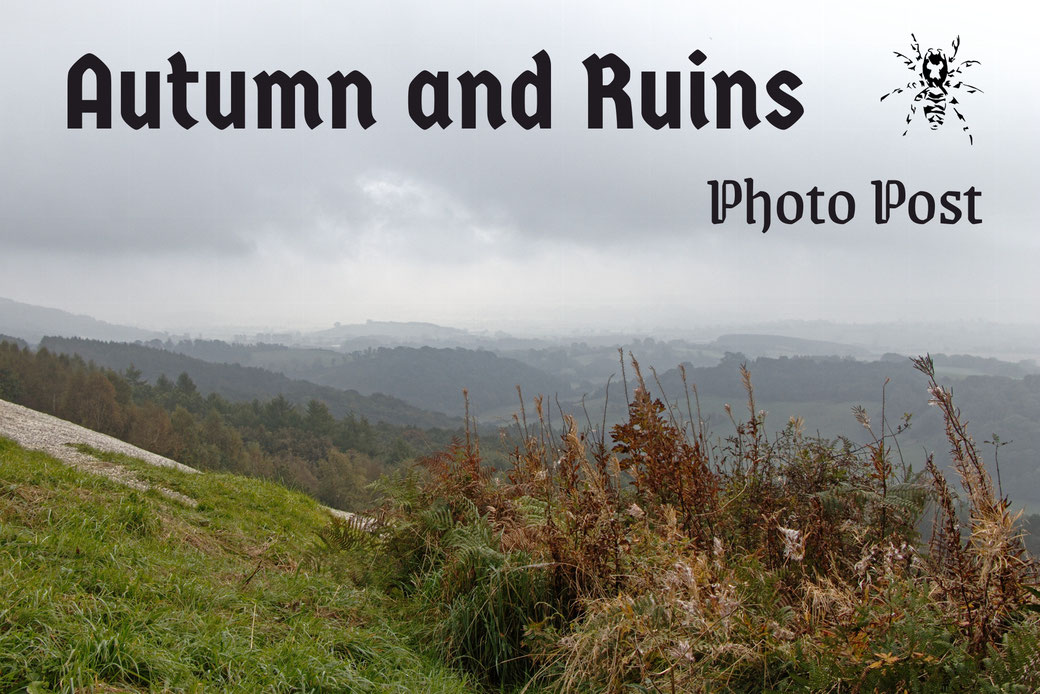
point(557, 228)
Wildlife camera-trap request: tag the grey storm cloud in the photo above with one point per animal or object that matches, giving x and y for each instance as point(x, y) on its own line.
point(399, 193)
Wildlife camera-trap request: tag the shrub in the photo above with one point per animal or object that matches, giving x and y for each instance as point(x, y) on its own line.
point(667, 560)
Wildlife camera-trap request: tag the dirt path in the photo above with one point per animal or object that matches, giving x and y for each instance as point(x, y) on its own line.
point(41, 432)
point(56, 437)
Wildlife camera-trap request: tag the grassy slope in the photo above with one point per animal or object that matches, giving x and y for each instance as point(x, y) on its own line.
point(112, 590)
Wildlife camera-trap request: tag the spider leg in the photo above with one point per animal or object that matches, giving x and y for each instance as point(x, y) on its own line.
point(916, 47)
point(900, 90)
point(970, 88)
point(964, 65)
point(910, 117)
point(913, 109)
point(910, 65)
point(960, 117)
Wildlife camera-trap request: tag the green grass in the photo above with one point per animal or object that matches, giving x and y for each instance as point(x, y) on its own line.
point(106, 589)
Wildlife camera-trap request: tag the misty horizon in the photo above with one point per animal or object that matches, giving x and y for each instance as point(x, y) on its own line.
point(864, 341)
point(552, 229)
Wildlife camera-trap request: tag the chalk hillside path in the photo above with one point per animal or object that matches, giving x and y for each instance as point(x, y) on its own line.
point(58, 438)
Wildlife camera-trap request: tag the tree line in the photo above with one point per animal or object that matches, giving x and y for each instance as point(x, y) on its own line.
point(306, 447)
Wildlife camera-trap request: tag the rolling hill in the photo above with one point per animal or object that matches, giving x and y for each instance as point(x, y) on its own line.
point(243, 383)
point(427, 377)
point(32, 323)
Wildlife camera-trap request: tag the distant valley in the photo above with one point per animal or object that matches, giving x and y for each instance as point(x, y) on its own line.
point(382, 372)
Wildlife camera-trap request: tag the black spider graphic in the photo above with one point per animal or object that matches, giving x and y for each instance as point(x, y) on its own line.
point(936, 74)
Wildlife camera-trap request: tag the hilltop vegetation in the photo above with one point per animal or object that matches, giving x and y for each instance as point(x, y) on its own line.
point(663, 560)
point(822, 392)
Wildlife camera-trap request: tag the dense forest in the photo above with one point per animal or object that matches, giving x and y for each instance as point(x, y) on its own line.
point(306, 447)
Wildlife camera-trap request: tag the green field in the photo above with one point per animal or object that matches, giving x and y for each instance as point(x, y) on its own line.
point(111, 590)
